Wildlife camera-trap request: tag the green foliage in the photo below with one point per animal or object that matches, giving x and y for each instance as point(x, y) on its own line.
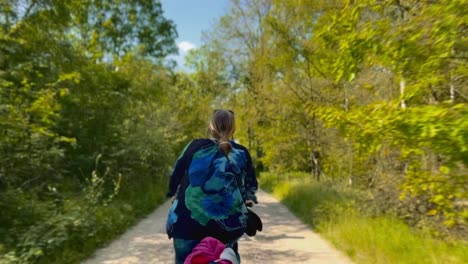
point(336, 212)
point(82, 224)
point(415, 132)
point(54, 228)
point(119, 27)
point(74, 89)
point(372, 93)
point(389, 240)
point(269, 181)
point(315, 202)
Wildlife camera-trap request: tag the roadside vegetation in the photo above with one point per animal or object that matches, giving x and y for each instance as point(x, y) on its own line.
point(343, 216)
point(367, 97)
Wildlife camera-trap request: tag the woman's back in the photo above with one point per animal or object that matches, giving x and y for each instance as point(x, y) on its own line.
point(211, 184)
point(213, 190)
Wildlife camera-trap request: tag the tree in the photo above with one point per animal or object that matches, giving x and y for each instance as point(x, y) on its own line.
point(71, 115)
point(355, 85)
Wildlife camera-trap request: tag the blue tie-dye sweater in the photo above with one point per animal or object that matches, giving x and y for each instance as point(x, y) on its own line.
point(209, 201)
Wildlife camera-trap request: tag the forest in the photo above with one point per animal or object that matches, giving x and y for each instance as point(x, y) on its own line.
point(367, 96)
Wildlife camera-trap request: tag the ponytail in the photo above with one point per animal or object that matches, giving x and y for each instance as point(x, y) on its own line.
point(225, 146)
point(222, 128)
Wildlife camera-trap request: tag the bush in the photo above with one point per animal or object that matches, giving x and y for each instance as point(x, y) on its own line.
point(339, 213)
point(85, 223)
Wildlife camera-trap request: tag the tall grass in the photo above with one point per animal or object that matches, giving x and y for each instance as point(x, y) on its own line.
point(76, 232)
point(333, 211)
point(130, 205)
point(386, 239)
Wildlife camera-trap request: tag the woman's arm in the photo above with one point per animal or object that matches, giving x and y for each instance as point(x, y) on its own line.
point(251, 184)
point(180, 168)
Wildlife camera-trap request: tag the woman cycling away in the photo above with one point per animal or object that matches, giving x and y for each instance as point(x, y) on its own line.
point(212, 182)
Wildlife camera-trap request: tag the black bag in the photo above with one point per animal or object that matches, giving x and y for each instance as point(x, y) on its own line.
point(254, 223)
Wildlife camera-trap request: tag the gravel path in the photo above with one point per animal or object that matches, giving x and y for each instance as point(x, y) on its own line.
point(284, 239)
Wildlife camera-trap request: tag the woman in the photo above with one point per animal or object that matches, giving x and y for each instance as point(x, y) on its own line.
point(212, 183)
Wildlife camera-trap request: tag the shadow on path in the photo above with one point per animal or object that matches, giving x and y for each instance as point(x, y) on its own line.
point(284, 239)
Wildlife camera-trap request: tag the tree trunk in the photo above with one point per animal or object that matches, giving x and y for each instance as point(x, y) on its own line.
point(316, 169)
point(402, 92)
point(452, 91)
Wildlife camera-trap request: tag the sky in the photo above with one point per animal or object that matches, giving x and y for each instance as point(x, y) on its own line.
point(191, 18)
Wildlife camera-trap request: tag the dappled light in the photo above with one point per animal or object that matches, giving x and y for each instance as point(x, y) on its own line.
point(354, 112)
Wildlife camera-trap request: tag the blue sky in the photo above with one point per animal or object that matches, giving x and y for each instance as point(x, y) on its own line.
point(191, 18)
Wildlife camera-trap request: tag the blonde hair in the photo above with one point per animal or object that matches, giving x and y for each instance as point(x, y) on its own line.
point(222, 127)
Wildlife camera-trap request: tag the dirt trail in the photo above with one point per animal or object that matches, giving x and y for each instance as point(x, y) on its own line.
point(284, 239)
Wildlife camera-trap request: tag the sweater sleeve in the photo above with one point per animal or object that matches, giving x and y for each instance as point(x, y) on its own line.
point(179, 171)
point(251, 184)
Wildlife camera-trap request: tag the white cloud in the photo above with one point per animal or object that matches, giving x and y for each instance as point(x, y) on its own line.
point(185, 46)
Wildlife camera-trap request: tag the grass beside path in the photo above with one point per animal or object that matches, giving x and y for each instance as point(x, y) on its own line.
point(333, 212)
point(74, 234)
